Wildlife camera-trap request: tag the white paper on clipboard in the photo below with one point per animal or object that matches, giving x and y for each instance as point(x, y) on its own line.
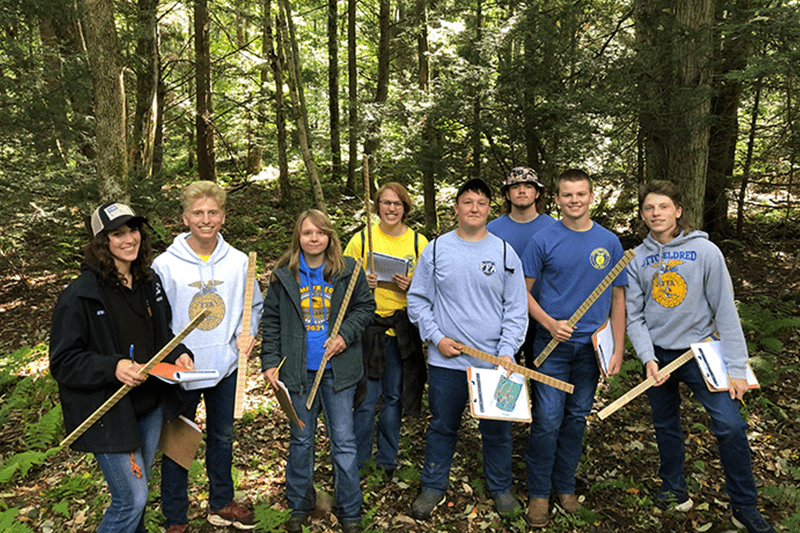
point(387, 266)
point(603, 342)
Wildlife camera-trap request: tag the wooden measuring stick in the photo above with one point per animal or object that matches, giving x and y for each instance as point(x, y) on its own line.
point(117, 396)
point(335, 331)
point(644, 385)
point(368, 215)
point(241, 377)
point(621, 264)
point(527, 372)
point(649, 382)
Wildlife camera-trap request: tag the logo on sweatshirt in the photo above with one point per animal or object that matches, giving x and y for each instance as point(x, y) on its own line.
point(207, 298)
point(599, 258)
point(669, 287)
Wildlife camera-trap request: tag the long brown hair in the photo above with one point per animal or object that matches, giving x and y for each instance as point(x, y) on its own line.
point(334, 258)
point(97, 256)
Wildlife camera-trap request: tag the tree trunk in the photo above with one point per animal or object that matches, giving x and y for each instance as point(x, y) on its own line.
point(276, 63)
point(732, 53)
point(352, 98)
point(429, 153)
point(147, 70)
point(373, 133)
point(748, 159)
point(300, 113)
point(206, 163)
point(105, 61)
point(675, 51)
point(477, 125)
point(333, 90)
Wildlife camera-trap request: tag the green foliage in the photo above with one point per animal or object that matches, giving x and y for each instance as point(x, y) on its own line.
point(270, 519)
point(44, 432)
point(763, 322)
point(9, 525)
point(787, 495)
point(71, 487)
point(22, 463)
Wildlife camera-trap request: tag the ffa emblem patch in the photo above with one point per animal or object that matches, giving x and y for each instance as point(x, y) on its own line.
point(599, 258)
point(207, 299)
point(669, 288)
point(488, 268)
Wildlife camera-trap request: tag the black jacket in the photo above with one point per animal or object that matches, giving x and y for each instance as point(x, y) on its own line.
point(83, 360)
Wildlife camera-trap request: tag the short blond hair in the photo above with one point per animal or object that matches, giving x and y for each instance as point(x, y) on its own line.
point(202, 189)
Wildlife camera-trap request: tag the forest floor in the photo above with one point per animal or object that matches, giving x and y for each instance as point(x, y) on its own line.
point(617, 476)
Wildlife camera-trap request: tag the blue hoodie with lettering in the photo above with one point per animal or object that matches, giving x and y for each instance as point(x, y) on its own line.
point(680, 293)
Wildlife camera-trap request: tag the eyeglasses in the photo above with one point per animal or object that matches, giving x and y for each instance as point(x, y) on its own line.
point(387, 203)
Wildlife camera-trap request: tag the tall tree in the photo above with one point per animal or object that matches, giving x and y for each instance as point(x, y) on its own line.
point(429, 149)
point(146, 67)
point(675, 50)
point(276, 63)
point(373, 133)
point(204, 125)
point(105, 61)
point(333, 89)
point(300, 111)
point(352, 98)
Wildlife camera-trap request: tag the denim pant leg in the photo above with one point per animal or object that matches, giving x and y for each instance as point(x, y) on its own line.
point(447, 396)
point(300, 491)
point(390, 416)
point(129, 492)
point(338, 409)
point(730, 429)
point(175, 478)
point(497, 448)
point(665, 402)
point(559, 419)
point(219, 441)
point(364, 419)
point(578, 405)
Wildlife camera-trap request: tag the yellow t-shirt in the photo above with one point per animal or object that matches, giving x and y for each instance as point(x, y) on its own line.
point(388, 300)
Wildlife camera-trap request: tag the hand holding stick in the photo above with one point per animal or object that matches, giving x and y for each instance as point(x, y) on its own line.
point(335, 331)
point(577, 315)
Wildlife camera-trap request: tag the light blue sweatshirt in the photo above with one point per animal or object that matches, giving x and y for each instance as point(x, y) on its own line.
point(218, 284)
point(469, 297)
point(680, 293)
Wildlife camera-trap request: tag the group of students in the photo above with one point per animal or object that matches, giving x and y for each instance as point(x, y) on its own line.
point(478, 285)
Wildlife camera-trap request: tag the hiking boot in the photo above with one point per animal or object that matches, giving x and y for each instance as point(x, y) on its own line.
point(177, 528)
point(233, 515)
point(538, 515)
point(295, 524)
point(673, 499)
point(425, 503)
point(351, 527)
point(506, 504)
point(570, 503)
point(750, 518)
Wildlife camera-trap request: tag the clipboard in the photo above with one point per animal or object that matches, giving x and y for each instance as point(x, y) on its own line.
point(509, 402)
point(180, 440)
point(173, 374)
point(708, 356)
point(603, 342)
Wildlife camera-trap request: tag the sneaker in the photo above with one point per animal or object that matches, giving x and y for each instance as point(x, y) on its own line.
point(177, 528)
point(750, 518)
point(506, 504)
point(570, 503)
point(295, 524)
point(672, 499)
point(425, 503)
point(538, 514)
point(351, 527)
point(233, 515)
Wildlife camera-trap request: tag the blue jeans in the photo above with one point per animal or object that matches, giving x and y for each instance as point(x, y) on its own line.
point(129, 492)
point(559, 419)
point(448, 394)
point(390, 414)
point(219, 402)
point(727, 425)
point(338, 409)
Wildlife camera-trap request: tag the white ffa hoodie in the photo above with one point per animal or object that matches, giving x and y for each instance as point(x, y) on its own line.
point(218, 284)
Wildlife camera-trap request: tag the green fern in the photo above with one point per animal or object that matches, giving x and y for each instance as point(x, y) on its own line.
point(9, 525)
point(40, 435)
point(23, 462)
point(270, 519)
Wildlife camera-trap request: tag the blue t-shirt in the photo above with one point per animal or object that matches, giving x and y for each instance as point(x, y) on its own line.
point(518, 234)
point(570, 264)
point(315, 301)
